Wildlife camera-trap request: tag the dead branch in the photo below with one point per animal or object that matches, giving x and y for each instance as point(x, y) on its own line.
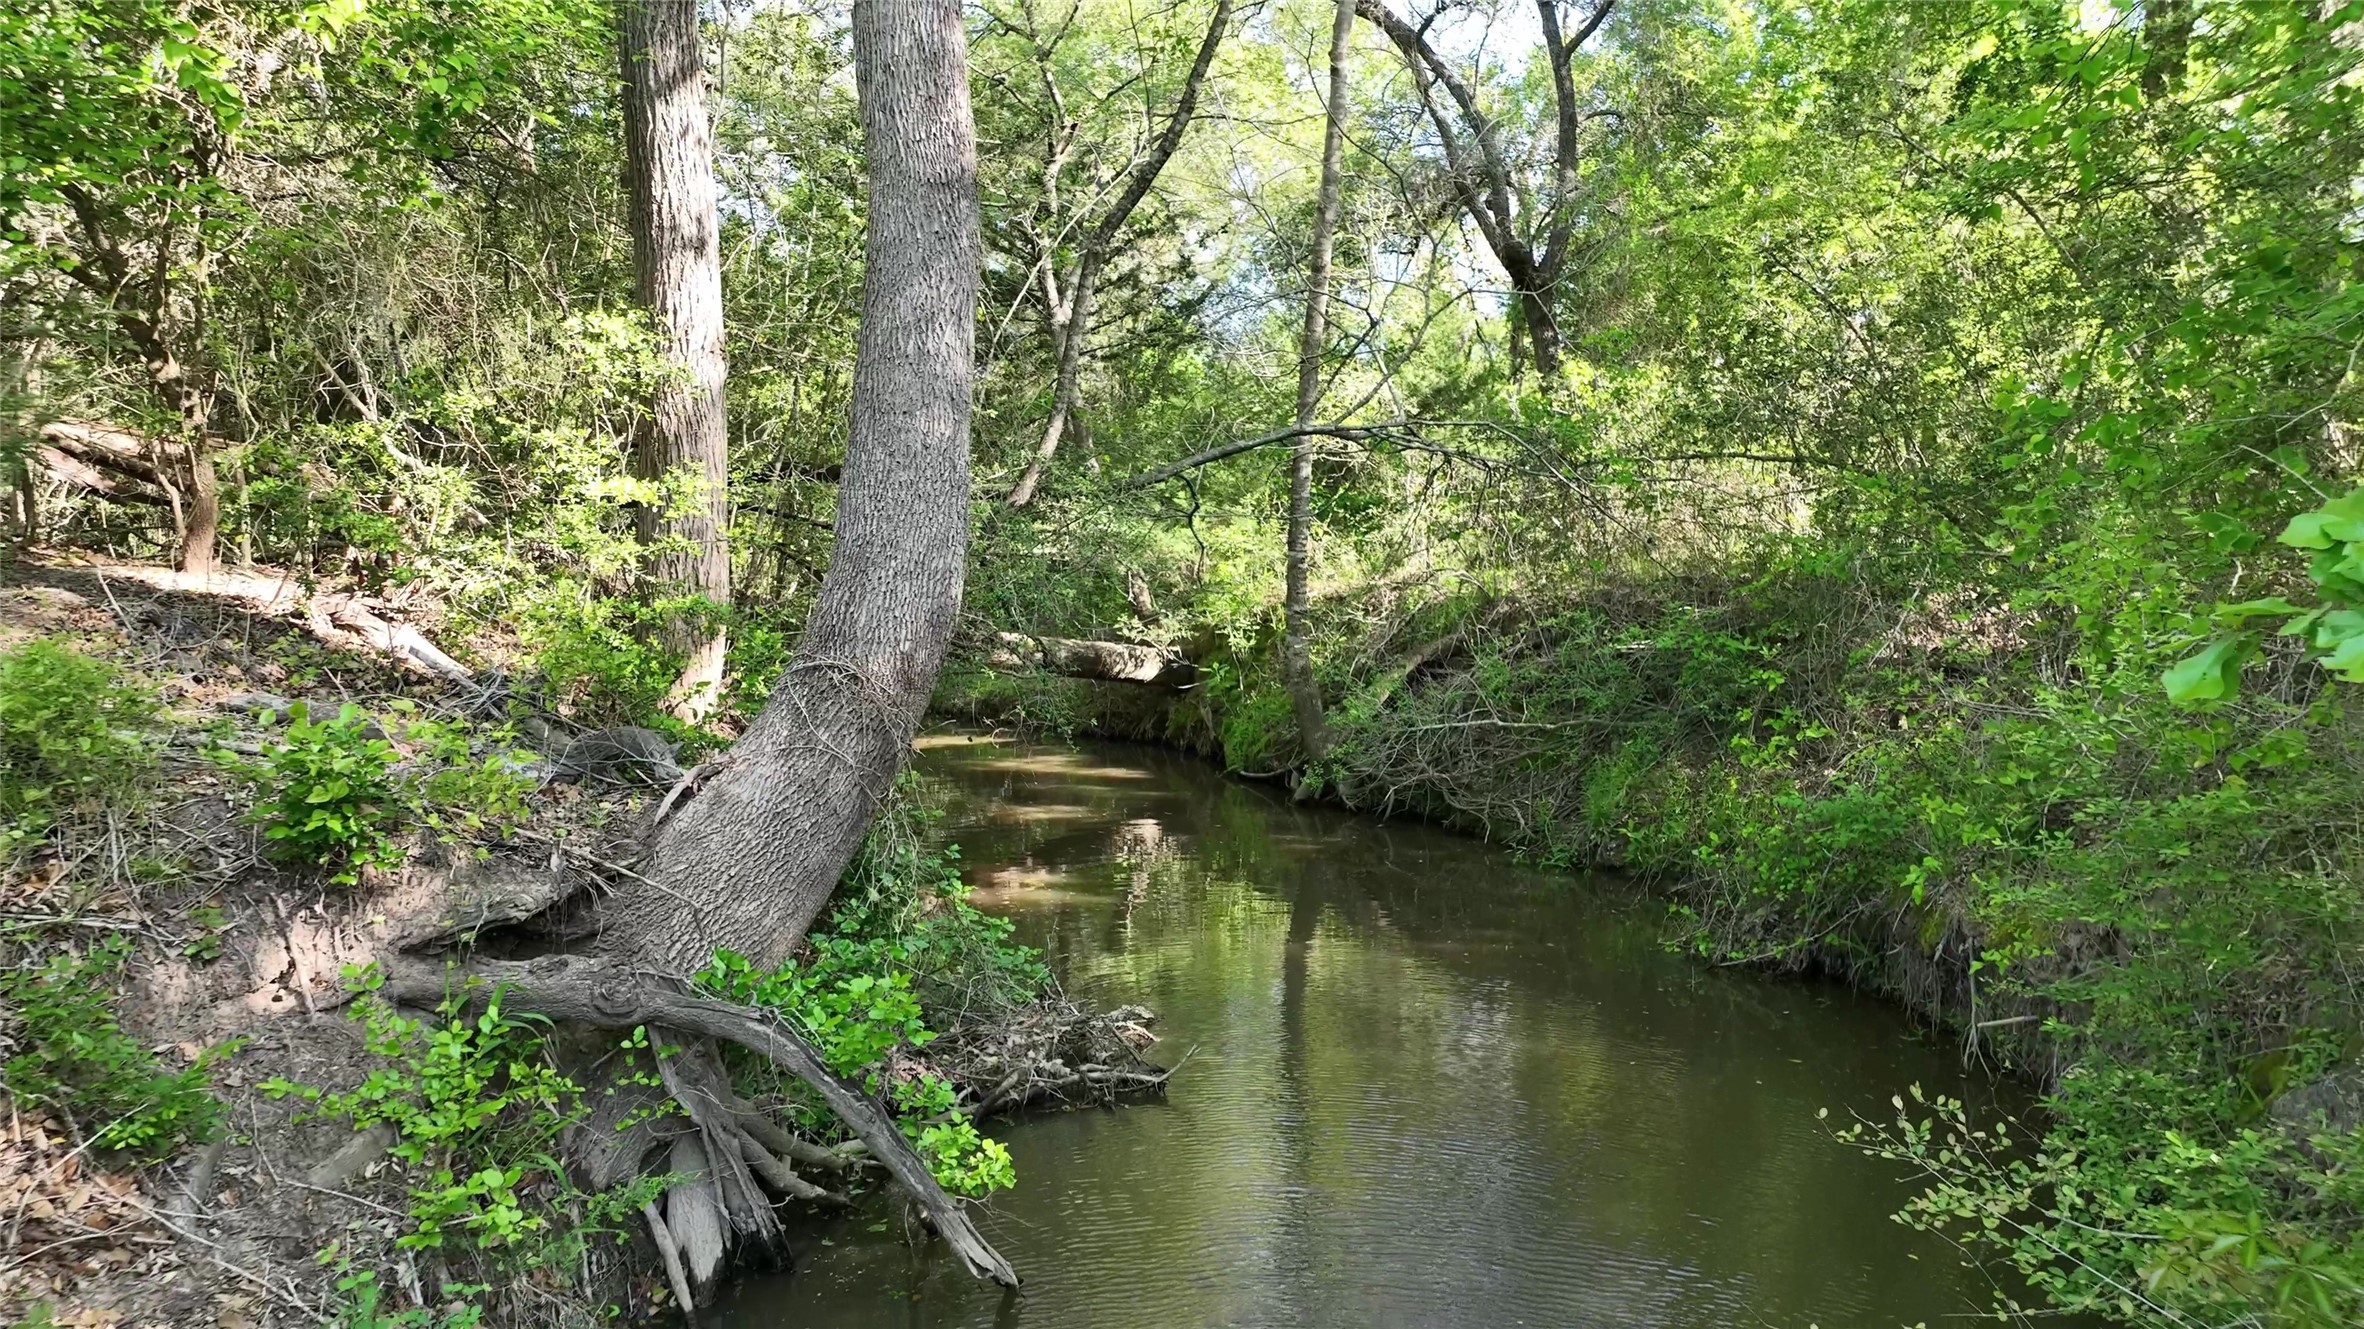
point(1107, 661)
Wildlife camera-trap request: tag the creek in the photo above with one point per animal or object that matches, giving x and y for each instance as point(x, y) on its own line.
point(1424, 1086)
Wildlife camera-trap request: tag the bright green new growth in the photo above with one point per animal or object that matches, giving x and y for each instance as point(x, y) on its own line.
point(2332, 631)
point(71, 729)
point(330, 793)
point(477, 1113)
point(76, 1058)
point(854, 1001)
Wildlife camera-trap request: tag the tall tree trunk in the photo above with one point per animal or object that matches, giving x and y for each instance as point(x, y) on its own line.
point(1077, 325)
point(1305, 693)
point(677, 270)
point(752, 849)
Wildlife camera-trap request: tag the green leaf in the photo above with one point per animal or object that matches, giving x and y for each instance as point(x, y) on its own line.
point(2337, 522)
point(2213, 675)
point(2235, 616)
point(2347, 661)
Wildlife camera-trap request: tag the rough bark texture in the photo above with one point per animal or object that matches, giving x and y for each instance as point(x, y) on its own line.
point(184, 465)
point(747, 857)
point(677, 270)
point(1305, 694)
point(1072, 330)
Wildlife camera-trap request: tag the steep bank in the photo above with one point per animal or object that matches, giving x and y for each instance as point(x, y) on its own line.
point(2153, 913)
point(220, 808)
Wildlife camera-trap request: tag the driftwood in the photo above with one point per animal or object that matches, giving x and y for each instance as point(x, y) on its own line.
point(607, 995)
point(1056, 1053)
point(90, 478)
point(405, 643)
point(1106, 661)
point(123, 451)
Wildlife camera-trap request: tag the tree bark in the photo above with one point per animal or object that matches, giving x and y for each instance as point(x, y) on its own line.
point(1305, 694)
point(750, 854)
point(185, 469)
point(1076, 327)
point(677, 271)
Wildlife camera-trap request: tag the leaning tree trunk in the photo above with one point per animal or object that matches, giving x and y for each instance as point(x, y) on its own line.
point(1305, 693)
point(677, 268)
point(746, 858)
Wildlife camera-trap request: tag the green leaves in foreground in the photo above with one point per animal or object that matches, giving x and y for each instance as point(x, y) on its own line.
point(853, 999)
point(2333, 630)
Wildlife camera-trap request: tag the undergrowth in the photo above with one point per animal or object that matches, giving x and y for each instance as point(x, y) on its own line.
point(73, 730)
point(901, 949)
point(73, 1057)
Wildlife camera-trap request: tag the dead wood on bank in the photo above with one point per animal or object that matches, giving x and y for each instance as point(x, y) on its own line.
point(1105, 661)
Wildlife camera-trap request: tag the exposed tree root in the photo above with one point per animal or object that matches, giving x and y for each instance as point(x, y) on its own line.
point(607, 995)
point(670, 1251)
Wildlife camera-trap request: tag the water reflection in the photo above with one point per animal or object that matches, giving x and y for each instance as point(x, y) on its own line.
point(1424, 1088)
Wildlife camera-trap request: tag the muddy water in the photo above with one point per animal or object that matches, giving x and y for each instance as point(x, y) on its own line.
point(1423, 1088)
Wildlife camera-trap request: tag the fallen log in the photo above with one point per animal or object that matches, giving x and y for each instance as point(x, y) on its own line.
point(400, 640)
point(1105, 661)
point(91, 479)
point(124, 451)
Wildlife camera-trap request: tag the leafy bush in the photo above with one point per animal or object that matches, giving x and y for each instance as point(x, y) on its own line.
point(70, 729)
point(2173, 1229)
point(328, 792)
point(332, 794)
point(854, 999)
point(477, 1114)
point(77, 1059)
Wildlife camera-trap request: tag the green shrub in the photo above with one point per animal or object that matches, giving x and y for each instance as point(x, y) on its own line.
point(77, 1059)
point(331, 795)
point(601, 657)
point(328, 793)
point(857, 1008)
point(477, 1113)
point(70, 730)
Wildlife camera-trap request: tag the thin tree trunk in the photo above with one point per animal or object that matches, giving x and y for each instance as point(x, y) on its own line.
point(677, 270)
point(1076, 327)
point(187, 463)
point(1071, 341)
point(1305, 694)
point(754, 844)
point(201, 535)
point(1483, 184)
